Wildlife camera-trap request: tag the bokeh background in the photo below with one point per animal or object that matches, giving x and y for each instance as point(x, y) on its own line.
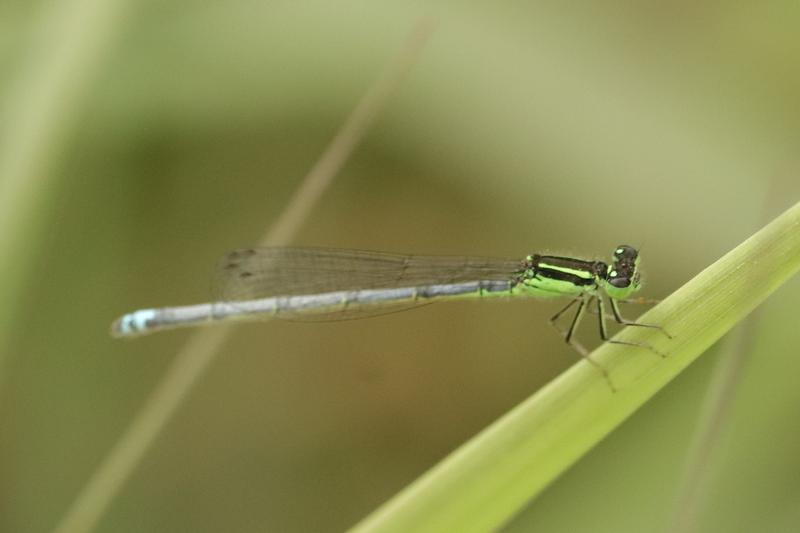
point(178, 130)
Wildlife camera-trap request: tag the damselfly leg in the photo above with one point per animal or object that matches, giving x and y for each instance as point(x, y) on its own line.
point(620, 320)
point(568, 335)
point(601, 313)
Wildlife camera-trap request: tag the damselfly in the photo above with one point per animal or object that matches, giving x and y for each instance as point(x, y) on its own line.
point(330, 284)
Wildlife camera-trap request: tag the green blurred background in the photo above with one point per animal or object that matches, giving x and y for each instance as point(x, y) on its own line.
point(524, 126)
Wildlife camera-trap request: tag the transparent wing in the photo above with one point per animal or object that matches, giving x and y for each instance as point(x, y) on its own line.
point(253, 273)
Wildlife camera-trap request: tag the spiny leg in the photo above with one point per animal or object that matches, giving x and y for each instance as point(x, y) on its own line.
point(563, 310)
point(601, 313)
point(625, 322)
point(577, 346)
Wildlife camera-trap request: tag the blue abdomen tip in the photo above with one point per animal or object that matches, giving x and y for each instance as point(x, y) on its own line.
point(136, 322)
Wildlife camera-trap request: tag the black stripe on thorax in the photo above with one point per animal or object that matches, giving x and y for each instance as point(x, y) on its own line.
point(564, 262)
point(558, 275)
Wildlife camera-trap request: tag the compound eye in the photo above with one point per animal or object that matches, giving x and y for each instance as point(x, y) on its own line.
point(620, 283)
point(625, 253)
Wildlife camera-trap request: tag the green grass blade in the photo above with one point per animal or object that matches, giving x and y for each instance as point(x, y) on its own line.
point(490, 478)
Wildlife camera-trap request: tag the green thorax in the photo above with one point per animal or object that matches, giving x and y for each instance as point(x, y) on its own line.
point(551, 276)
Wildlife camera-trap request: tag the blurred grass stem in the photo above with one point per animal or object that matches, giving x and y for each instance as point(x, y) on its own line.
point(38, 116)
point(713, 420)
point(194, 359)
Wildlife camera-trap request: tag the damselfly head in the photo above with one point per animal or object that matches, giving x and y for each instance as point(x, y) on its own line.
point(623, 278)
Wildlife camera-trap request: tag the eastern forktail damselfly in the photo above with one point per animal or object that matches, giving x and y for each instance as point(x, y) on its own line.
point(329, 284)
